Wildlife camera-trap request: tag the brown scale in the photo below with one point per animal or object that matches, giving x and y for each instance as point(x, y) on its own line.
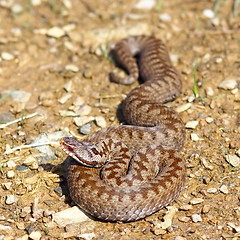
point(139, 169)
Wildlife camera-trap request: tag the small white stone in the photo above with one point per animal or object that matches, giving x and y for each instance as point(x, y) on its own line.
point(17, 8)
point(69, 216)
point(165, 17)
point(209, 13)
point(7, 185)
point(29, 160)
point(196, 218)
point(67, 113)
point(35, 235)
point(228, 84)
point(6, 229)
point(10, 174)
point(183, 107)
point(68, 86)
point(11, 164)
point(64, 98)
point(36, 2)
point(233, 160)
point(100, 121)
point(71, 67)
point(67, 4)
point(234, 227)
point(209, 120)
point(84, 110)
point(87, 236)
point(212, 190)
point(209, 91)
point(80, 121)
point(78, 101)
point(55, 32)
point(145, 4)
point(206, 164)
point(20, 96)
point(195, 201)
point(224, 189)
point(194, 137)
point(191, 124)
point(218, 60)
point(191, 99)
point(11, 199)
point(7, 56)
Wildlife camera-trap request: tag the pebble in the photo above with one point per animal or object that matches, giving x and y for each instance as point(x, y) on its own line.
point(179, 238)
point(7, 185)
point(209, 91)
point(78, 101)
point(195, 201)
point(165, 17)
point(209, 120)
point(194, 137)
point(145, 4)
point(55, 32)
point(80, 121)
point(5, 228)
point(84, 110)
point(7, 56)
point(100, 121)
point(184, 219)
point(209, 13)
point(11, 164)
point(206, 164)
point(10, 174)
point(183, 107)
point(29, 160)
point(69, 216)
point(224, 189)
point(191, 99)
point(234, 227)
point(11, 199)
point(196, 218)
point(17, 8)
point(228, 84)
point(72, 68)
point(212, 190)
point(36, 2)
point(20, 96)
point(64, 98)
point(206, 208)
point(68, 86)
point(86, 236)
point(35, 235)
point(85, 129)
point(191, 124)
point(87, 73)
point(233, 160)
point(186, 207)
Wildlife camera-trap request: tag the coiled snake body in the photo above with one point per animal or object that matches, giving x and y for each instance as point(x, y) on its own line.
point(128, 172)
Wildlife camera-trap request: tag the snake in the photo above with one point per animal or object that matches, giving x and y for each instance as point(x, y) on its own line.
point(128, 172)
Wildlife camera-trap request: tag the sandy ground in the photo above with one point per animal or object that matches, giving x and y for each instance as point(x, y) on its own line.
point(54, 59)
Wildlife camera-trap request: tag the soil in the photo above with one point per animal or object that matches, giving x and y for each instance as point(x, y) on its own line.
point(73, 60)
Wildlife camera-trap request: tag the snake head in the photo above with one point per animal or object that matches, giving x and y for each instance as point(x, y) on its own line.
point(83, 152)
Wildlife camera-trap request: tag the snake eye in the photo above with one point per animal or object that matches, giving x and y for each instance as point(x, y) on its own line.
point(70, 148)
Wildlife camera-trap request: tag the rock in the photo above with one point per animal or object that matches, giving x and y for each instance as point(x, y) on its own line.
point(208, 13)
point(100, 121)
point(191, 124)
point(36, 2)
point(86, 236)
point(184, 219)
point(195, 201)
point(84, 110)
point(206, 208)
point(85, 129)
point(7, 56)
point(234, 227)
point(72, 68)
point(7, 185)
point(212, 190)
point(206, 164)
point(5, 228)
point(35, 235)
point(194, 137)
point(64, 98)
point(167, 219)
point(186, 207)
point(80, 121)
point(196, 218)
point(55, 32)
point(20, 96)
point(233, 160)
point(145, 4)
point(183, 107)
point(10, 174)
point(69, 216)
point(228, 84)
point(78, 101)
point(165, 17)
point(11, 164)
point(11, 199)
point(17, 8)
point(224, 189)
point(179, 238)
point(68, 86)
point(209, 91)
point(209, 120)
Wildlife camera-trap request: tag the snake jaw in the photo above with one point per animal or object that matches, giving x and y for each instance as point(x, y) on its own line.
point(82, 152)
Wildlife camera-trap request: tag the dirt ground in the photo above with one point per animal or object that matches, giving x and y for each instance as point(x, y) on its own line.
point(53, 52)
